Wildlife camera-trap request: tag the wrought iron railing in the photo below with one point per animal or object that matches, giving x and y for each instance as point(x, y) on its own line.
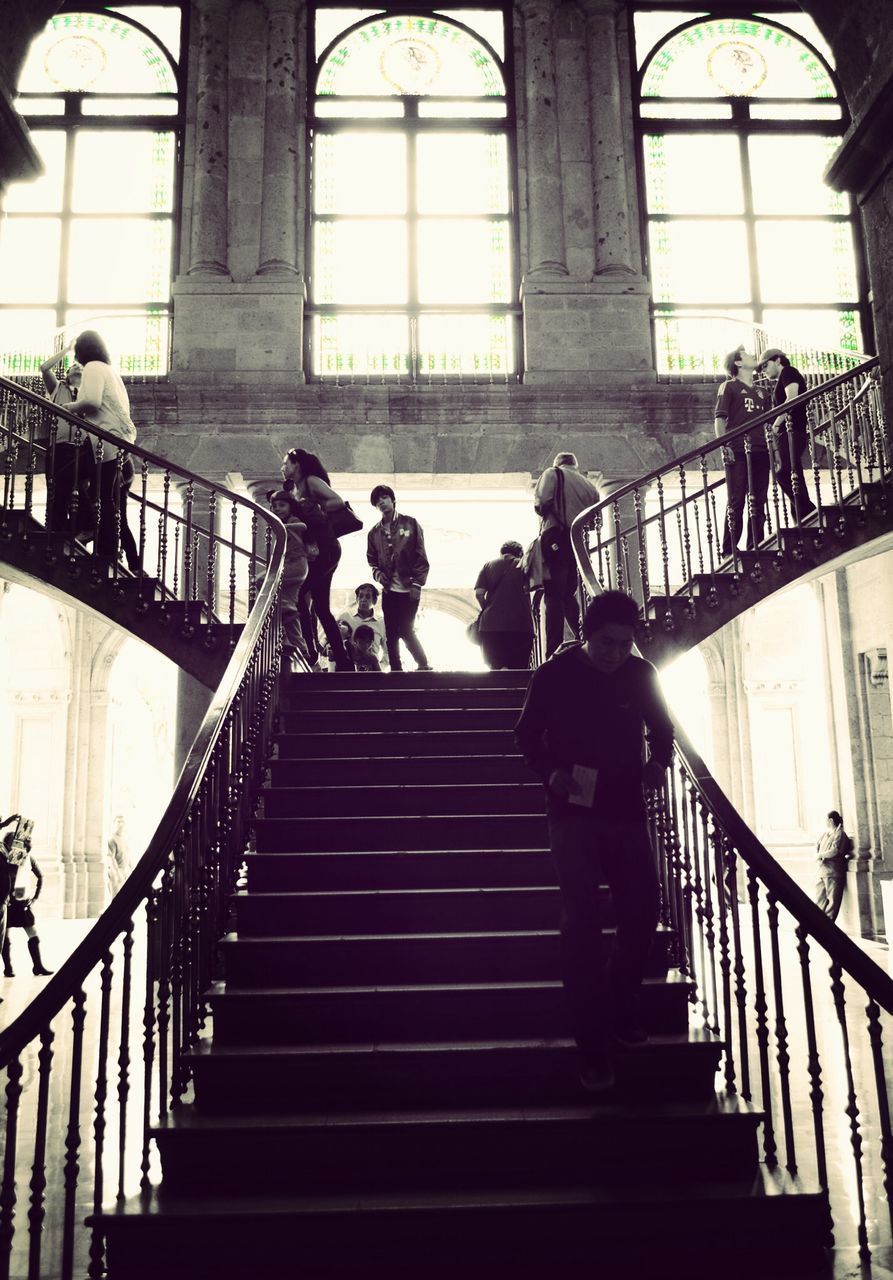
point(803, 1012)
point(100, 1053)
point(193, 548)
point(661, 535)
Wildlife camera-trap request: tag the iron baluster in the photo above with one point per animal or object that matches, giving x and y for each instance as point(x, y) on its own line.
point(618, 548)
point(740, 972)
point(883, 1101)
point(163, 541)
point(697, 887)
point(73, 1132)
point(38, 1185)
point(124, 1055)
point(149, 1023)
point(707, 839)
point(190, 563)
point(813, 1061)
point(723, 891)
point(851, 1110)
point(10, 1151)
point(761, 1010)
point(232, 574)
point(100, 1093)
point(783, 1057)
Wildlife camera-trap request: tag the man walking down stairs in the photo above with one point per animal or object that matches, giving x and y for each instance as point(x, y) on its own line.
point(391, 1086)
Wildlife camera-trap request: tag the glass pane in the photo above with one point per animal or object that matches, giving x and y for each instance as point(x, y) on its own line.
point(29, 259)
point(685, 110)
point(360, 346)
point(827, 330)
point(138, 343)
point(163, 20)
point(693, 173)
point(95, 52)
point(462, 173)
point(702, 262)
point(123, 171)
point(360, 262)
point(477, 346)
point(651, 28)
point(795, 111)
point(359, 172)
point(44, 194)
point(697, 344)
point(786, 173)
point(735, 57)
point(331, 22)
point(134, 266)
point(460, 110)
point(488, 23)
point(26, 339)
point(806, 261)
point(409, 54)
point(40, 106)
point(357, 108)
point(129, 106)
point(464, 262)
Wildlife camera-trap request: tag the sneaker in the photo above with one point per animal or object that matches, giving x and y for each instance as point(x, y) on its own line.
point(629, 1032)
point(597, 1075)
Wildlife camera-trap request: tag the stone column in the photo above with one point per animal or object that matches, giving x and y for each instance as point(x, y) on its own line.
point(614, 253)
point(545, 210)
point(208, 245)
point(278, 228)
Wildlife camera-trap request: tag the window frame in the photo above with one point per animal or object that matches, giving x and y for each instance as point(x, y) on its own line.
point(70, 121)
point(742, 126)
point(411, 125)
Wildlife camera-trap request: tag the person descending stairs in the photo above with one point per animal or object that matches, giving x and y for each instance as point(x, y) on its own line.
point(391, 1087)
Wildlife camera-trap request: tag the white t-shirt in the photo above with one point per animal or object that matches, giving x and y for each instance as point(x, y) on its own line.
point(103, 387)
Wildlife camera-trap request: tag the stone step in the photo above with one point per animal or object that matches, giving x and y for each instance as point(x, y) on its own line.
point(519, 1072)
point(410, 869)
point(324, 1154)
point(351, 959)
point(415, 719)
point(369, 771)
point(690, 1230)
point(403, 800)
point(312, 696)
point(462, 1011)
point(448, 830)
point(320, 745)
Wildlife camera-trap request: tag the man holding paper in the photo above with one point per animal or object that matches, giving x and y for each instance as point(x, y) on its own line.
point(582, 730)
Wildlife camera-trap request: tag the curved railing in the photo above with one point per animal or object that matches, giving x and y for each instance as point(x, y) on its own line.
point(75, 1079)
point(802, 1010)
point(660, 536)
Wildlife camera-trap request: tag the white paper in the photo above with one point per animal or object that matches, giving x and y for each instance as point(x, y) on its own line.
point(584, 780)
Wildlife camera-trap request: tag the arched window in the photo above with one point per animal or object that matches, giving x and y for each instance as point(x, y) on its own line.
point(738, 119)
point(413, 262)
point(90, 243)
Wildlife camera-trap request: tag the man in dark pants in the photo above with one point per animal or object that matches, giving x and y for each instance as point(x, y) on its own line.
point(790, 429)
point(562, 492)
point(834, 848)
point(747, 478)
point(396, 551)
point(581, 730)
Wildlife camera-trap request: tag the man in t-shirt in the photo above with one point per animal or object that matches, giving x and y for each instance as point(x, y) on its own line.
point(562, 492)
point(747, 470)
point(364, 615)
point(581, 730)
point(790, 430)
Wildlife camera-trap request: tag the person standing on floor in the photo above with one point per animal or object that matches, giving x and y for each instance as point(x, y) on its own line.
point(737, 401)
point(505, 629)
point(395, 550)
point(17, 851)
point(581, 730)
point(562, 492)
point(834, 848)
point(790, 441)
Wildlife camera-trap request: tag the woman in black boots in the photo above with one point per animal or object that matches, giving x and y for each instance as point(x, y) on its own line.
point(19, 912)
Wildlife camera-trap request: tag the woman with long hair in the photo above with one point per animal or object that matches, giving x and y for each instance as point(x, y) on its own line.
point(104, 402)
point(305, 475)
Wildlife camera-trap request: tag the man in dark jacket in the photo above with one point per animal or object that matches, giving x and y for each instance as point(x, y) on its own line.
point(396, 551)
point(581, 730)
point(790, 429)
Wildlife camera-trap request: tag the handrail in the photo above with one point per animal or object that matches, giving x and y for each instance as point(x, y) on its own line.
point(130, 1000)
point(683, 541)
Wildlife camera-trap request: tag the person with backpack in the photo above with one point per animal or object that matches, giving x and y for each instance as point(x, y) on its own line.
point(562, 492)
point(505, 626)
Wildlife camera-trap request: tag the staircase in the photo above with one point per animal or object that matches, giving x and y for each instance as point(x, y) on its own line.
point(390, 1086)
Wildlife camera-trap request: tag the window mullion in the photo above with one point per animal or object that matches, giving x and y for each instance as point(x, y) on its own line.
point(412, 231)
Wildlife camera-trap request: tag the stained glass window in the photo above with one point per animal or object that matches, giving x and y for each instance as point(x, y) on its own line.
point(412, 258)
point(739, 118)
point(89, 244)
